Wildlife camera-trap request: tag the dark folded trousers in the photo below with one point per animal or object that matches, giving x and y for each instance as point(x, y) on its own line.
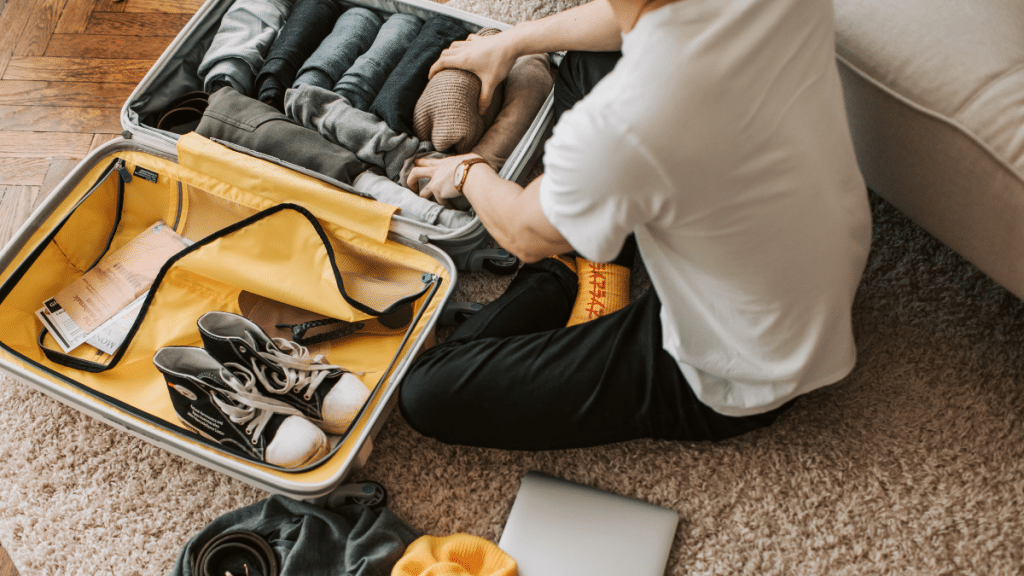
point(514, 377)
point(307, 26)
point(352, 35)
point(396, 101)
point(246, 122)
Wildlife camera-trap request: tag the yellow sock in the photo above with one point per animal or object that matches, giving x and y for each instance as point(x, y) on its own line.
point(604, 288)
point(567, 260)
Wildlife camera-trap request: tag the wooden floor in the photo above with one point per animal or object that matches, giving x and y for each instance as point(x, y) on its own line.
point(6, 565)
point(66, 67)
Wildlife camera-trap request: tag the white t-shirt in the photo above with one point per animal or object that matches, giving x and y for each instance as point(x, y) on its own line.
point(720, 139)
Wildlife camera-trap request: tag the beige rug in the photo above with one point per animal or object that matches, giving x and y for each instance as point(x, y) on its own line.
point(912, 465)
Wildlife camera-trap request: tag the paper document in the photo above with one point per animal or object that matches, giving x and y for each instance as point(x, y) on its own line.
point(101, 306)
point(108, 337)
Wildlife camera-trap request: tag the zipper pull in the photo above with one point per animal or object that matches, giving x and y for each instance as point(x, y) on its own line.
point(126, 176)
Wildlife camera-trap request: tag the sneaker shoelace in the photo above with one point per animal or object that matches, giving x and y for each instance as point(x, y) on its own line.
point(303, 372)
point(245, 405)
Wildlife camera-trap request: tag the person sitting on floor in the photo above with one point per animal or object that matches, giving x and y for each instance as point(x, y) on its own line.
point(718, 140)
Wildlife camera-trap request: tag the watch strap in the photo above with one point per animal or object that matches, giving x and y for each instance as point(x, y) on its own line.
point(465, 171)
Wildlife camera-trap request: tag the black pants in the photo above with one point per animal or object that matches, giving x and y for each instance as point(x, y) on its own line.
point(513, 376)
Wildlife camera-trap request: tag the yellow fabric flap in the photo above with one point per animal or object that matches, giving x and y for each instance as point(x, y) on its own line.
point(295, 267)
point(282, 185)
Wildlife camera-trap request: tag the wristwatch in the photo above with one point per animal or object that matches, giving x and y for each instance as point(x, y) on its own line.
point(462, 171)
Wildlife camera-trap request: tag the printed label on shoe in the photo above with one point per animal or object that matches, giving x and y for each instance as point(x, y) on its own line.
point(205, 420)
point(184, 392)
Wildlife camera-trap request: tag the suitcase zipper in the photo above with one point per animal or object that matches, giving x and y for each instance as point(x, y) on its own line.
point(123, 177)
point(126, 176)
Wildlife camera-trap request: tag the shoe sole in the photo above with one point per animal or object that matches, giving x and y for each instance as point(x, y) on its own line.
point(322, 451)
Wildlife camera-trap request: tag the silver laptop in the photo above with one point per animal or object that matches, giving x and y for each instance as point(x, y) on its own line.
point(561, 528)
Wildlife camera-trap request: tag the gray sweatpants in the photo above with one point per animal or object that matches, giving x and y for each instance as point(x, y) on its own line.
point(241, 43)
point(369, 137)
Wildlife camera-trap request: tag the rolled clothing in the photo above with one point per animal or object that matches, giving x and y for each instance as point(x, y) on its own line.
point(257, 126)
point(396, 101)
point(385, 190)
point(246, 32)
point(410, 163)
point(527, 86)
point(458, 202)
point(363, 80)
point(351, 36)
point(310, 22)
point(370, 138)
point(352, 540)
point(447, 112)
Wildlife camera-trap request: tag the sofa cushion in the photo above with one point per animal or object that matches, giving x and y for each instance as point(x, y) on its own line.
point(935, 98)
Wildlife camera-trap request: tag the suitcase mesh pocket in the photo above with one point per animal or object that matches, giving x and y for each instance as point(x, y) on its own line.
point(208, 213)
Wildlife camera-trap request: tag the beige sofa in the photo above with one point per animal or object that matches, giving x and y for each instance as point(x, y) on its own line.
point(935, 97)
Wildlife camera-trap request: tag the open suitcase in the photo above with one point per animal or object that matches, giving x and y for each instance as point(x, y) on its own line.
point(264, 236)
point(174, 74)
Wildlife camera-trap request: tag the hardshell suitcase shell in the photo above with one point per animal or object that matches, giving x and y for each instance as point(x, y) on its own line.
point(224, 199)
point(175, 74)
point(260, 231)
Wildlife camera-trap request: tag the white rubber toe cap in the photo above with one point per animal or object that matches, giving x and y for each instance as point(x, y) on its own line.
point(298, 442)
point(344, 402)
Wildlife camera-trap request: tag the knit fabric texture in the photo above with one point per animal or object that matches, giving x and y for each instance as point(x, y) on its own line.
point(396, 101)
point(526, 87)
point(604, 288)
point(447, 113)
point(456, 555)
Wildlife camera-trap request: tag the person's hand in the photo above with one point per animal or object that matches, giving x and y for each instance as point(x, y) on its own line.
point(489, 57)
point(441, 172)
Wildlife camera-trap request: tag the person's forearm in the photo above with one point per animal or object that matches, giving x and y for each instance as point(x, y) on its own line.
point(590, 27)
point(512, 215)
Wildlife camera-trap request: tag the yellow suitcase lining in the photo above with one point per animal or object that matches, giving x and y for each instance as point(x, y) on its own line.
point(259, 229)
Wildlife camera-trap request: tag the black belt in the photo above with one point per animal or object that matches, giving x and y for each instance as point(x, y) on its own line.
point(183, 114)
point(239, 553)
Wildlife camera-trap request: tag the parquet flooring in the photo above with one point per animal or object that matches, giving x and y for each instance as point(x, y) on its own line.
point(6, 566)
point(66, 68)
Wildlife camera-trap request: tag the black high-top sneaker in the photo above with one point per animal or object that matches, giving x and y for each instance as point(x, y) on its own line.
point(328, 395)
point(224, 406)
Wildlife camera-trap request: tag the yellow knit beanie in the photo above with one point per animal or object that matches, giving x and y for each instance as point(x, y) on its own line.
point(455, 555)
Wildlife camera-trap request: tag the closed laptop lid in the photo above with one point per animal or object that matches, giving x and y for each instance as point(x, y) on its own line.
point(561, 528)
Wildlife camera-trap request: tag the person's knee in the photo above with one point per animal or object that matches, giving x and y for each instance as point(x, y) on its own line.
point(421, 396)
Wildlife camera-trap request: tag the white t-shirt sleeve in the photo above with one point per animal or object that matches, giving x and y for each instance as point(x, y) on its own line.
point(599, 183)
